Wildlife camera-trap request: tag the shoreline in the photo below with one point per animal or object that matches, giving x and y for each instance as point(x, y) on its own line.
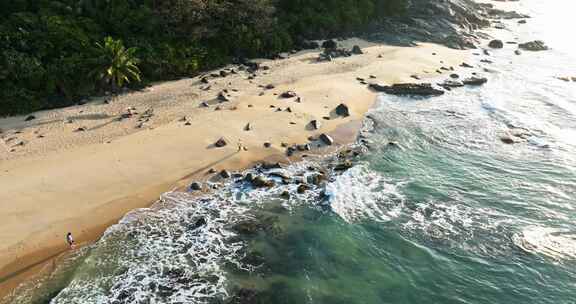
point(89, 184)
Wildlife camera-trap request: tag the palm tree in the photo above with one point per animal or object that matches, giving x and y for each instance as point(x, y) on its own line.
point(117, 65)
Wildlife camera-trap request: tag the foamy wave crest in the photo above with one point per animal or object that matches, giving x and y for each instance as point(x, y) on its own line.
point(558, 244)
point(362, 193)
point(172, 254)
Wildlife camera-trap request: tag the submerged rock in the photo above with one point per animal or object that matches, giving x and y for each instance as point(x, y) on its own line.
point(420, 89)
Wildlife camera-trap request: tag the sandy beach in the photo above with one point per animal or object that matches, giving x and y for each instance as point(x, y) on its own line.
point(80, 168)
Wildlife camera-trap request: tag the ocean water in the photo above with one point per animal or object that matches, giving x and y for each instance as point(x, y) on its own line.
point(449, 215)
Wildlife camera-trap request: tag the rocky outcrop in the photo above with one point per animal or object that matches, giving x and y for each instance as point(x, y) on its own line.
point(420, 89)
point(536, 45)
point(448, 22)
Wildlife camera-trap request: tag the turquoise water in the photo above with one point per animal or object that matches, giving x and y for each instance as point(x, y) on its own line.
point(452, 215)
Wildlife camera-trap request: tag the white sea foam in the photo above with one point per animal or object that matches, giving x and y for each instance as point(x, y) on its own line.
point(360, 193)
point(558, 244)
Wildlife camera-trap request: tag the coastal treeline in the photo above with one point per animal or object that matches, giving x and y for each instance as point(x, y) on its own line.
point(54, 52)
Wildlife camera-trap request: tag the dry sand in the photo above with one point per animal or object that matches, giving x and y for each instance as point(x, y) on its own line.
point(85, 181)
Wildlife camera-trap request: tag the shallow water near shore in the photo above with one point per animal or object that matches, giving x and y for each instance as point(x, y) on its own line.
point(451, 215)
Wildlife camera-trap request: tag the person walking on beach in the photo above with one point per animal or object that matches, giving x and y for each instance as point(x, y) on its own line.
point(70, 240)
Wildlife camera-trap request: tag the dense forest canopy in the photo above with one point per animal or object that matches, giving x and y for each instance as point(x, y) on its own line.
point(53, 52)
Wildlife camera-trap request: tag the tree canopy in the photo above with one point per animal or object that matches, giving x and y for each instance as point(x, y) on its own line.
point(49, 48)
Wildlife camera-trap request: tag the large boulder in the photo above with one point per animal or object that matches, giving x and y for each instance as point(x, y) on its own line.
point(342, 110)
point(329, 45)
point(496, 44)
point(536, 45)
point(421, 89)
point(326, 139)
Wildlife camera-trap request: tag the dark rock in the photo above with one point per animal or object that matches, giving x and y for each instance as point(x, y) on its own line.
point(285, 195)
point(269, 87)
point(342, 110)
point(225, 174)
point(329, 44)
point(261, 182)
point(222, 97)
point(451, 84)
point(475, 81)
point(486, 61)
point(357, 50)
point(195, 186)
point(305, 147)
point(465, 65)
point(269, 166)
point(315, 124)
point(507, 140)
point(290, 151)
point(30, 117)
point(199, 223)
point(249, 177)
point(248, 127)
point(343, 166)
point(517, 52)
point(302, 188)
point(522, 21)
point(421, 89)
point(204, 104)
point(81, 129)
point(204, 80)
point(288, 110)
point(288, 94)
point(221, 142)
point(267, 145)
point(211, 171)
point(454, 76)
point(496, 44)
point(536, 45)
point(326, 139)
point(223, 73)
point(316, 179)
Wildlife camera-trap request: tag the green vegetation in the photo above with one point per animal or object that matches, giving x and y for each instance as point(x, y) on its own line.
point(116, 64)
point(52, 50)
